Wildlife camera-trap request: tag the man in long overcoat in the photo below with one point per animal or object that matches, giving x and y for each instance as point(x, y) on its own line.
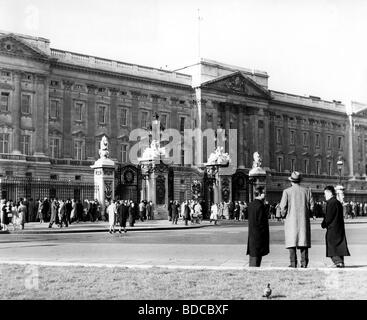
point(336, 241)
point(258, 229)
point(296, 206)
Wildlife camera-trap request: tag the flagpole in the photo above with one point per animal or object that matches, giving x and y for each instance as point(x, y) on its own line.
point(199, 34)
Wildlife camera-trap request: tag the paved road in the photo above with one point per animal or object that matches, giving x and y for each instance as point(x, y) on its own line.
point(223, 245)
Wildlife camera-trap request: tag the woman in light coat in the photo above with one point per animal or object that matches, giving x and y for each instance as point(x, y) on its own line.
point(22, 209)
point(14, 214)
point(112, 212)
point(214, 213)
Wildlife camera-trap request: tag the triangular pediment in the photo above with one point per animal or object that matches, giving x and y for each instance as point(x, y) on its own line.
point(237, 83)
point(12, 45)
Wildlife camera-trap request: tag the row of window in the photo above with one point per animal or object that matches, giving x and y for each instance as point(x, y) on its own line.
point(80, 111)
point(79, 149)
point(305, 139)
point(25, 143)
point(305, 166)
point(26, 103)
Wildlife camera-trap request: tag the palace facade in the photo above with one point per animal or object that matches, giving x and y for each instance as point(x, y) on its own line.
point(56, 105)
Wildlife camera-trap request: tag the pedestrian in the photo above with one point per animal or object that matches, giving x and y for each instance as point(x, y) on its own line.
point(231, 208)
point(54, 212)
point(79, 211)
point(63, 219)
point(197, 212)
point(258, 229)
point(187, 215)
point(112, 212)
point(7, 215)
point(149, 210)
point(3, 214)
point(236, 211)
point(40, 211)
point(225, 210)
point(131, 214)
point(46, 209)
point(278, 216)
point(220, 210)
point(272, 211)
point(175, 206)
point(141, 210)
point(22, 212)
point(242, 211)
point(31, 211)
point(296, 206)
point(336, 241)
point(14, 214)
point(123, 214)
point(214, 213)
point(170, 210)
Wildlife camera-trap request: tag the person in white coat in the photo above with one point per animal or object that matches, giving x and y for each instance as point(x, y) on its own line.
point(112, 211)
point(214, 213)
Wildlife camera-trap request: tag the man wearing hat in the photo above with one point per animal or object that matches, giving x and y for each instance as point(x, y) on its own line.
point(296, 207)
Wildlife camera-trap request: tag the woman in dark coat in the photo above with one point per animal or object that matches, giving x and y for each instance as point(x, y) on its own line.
point(258, 229)
point(336, 241)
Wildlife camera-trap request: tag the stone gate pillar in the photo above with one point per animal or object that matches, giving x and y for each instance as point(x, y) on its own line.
point(104, 176)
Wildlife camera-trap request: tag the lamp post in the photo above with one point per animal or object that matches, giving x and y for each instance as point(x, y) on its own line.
point(340, 167)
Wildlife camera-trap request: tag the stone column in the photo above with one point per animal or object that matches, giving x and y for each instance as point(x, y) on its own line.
point(143, 191)
point(91, 114)
point(350, 146)
point(16, 113)
point(67, 112)
point(114, 122)
point(240, 133)
point(227, 127)
point(285, 142)
point(41, 116)
point(104, 180)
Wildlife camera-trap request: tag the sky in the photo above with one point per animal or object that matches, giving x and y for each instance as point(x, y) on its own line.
point(307, 47)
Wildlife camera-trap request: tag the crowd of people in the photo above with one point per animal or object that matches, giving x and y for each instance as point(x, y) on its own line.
point(64, 212)
point(52, 211)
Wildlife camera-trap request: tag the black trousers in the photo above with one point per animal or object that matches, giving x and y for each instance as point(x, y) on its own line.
point(293, 256)
point(337, 259)
point(255, 261)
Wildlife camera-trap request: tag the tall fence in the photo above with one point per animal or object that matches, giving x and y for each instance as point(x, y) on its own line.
point(13, 188)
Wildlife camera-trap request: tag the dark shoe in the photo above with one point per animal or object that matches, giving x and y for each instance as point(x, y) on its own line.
point(125, 231)
point(340, 265)
point(292, 265)
point(303, 266)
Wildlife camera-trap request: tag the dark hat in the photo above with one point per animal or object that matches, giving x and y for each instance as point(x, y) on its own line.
point(295, 177)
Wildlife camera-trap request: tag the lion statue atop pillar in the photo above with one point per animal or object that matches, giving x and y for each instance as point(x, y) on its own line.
point(103, 149)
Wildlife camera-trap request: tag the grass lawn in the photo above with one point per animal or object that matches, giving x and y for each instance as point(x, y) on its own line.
point(20, 282)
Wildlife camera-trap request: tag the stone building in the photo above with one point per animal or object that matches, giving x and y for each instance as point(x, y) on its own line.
point(56, 105)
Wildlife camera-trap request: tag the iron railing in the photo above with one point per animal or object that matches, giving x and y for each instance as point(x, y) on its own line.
point(14, 188)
